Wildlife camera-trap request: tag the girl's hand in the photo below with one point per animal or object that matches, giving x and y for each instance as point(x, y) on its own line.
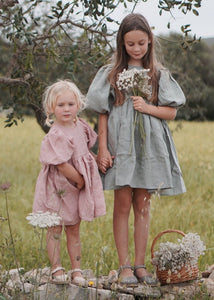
point(81, 183)
point(140, 104)
point(104, 160)
point(161, 112)
point(103, 165)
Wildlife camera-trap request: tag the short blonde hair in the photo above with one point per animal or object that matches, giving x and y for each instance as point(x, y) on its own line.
point(53, 91)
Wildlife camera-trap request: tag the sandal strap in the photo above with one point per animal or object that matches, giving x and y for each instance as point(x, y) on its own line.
point(124, 267)
point(57, 269)
point(76, 270)
point(139, 267)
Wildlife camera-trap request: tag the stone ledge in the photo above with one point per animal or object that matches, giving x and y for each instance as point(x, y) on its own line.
point(36, 284)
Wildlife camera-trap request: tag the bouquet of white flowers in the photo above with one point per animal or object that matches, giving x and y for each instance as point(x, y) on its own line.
point(136, 82)
point(178, 262)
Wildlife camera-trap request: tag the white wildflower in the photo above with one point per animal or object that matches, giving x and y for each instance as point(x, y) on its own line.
point(136, 82)
point(175, 256)
point(43, 220)
point(193, 244)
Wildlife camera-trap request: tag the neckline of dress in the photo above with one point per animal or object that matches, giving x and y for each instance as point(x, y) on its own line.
point(133, 66)
point(66, 126)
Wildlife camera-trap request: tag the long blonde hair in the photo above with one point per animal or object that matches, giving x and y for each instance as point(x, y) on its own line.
point(132, 22)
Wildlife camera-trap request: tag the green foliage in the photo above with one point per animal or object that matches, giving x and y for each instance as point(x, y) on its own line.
point(193, 69)
point(45, 47)
point(46, 40)
point(185, 7)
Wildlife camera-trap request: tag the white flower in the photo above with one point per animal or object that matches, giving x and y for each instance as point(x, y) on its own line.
point(43, 220)
point(135, 81)
point(175, 256)
point(193, 244)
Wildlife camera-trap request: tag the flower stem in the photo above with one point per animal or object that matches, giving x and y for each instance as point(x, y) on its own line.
point(12, 240)
point(39, 264)
point(133, 130)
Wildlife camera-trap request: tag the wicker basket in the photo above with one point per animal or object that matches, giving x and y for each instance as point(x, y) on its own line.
point(166, 276)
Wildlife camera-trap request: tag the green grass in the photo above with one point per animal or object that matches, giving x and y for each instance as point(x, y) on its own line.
point(190, 212)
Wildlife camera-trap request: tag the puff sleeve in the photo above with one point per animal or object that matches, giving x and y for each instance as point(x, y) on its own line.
point(55, 148)
point(170, 93)
point(91, 136)
point(100, 95)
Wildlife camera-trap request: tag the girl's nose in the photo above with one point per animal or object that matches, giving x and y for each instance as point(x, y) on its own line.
point(67, 107)
point(136, 48)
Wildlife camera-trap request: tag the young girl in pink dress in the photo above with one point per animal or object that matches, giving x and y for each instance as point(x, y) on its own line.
point(69, 183)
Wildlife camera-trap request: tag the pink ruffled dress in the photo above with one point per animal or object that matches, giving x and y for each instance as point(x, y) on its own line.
point(54, 192)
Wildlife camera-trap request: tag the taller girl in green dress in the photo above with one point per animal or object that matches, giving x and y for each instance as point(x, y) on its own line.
point(135, 166)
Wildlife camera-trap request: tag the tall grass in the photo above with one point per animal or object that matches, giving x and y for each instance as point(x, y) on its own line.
point(190, 212)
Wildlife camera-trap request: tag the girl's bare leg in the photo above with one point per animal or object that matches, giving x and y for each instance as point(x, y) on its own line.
point(122, 207)
point(141, 205)
point(74, 247)
point(53, 240)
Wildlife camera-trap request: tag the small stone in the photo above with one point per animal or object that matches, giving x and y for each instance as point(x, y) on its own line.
point(207, 272)
point(88, 273)
point(40, 275)
point(14, 274)
point(14, 285)
point(28, 287)
point(113, 276)
point(211, 276)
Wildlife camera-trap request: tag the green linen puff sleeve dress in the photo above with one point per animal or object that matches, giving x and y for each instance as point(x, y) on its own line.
point(153, 166)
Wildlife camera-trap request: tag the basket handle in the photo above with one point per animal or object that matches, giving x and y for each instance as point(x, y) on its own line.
point(160, 234)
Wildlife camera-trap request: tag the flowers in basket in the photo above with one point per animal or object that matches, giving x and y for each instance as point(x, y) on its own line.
point(135, 82)
point(173, 257)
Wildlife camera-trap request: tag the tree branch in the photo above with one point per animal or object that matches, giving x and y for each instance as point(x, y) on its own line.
point(11, 81)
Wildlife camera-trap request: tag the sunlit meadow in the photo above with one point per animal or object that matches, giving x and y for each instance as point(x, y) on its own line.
point(190, 212)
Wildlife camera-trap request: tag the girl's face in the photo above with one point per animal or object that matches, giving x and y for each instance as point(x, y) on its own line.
point(66, 108)
point(136, 43)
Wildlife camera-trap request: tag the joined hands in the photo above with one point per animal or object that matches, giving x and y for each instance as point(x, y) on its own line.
point(104, 161)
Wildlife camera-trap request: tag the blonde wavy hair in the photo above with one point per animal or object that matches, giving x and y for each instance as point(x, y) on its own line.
point(55, 90)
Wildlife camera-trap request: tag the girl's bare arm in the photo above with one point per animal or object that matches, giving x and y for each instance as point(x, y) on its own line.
point(161, 112)
point(104, 158)
point(71, 173)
